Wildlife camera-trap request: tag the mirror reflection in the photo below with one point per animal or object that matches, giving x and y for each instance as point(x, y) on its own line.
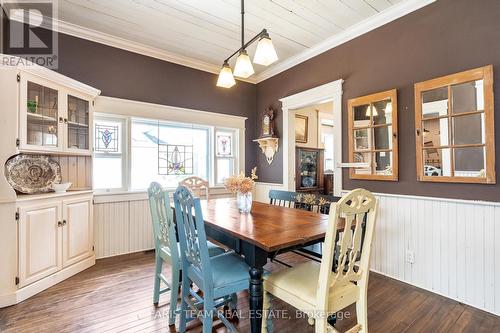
point(382, 136)
point(437, 162)
point(469, 162)
point(382, 112)
point(468, 129)
point(468, 97)
point(454, 122)
point(450, 139)
point(362, 115)
point(383, 163)
point(363, 158)
point(435, 103)
point(435, 132)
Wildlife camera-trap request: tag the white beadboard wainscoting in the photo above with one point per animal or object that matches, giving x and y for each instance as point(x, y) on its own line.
point(122, 227)
point(456, 247)
point(456, 243)
point(122, 222)
point(261, 191)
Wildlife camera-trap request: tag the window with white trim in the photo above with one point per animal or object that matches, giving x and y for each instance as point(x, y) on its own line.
point(167, 152)
point(225, 148)
point(109, 153)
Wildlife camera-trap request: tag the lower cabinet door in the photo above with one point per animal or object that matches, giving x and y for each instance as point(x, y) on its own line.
point(40, 239)
point(77, 230)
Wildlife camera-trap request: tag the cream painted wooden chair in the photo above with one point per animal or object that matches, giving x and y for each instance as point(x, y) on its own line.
point(198, 186)
point(313, 287)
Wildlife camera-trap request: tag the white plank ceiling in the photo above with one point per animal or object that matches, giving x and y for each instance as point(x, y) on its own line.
point(207, 31)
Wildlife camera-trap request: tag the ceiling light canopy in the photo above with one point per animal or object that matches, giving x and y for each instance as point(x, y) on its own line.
point(265, 54)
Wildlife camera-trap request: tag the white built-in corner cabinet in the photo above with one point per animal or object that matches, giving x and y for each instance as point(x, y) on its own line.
point(45, 238)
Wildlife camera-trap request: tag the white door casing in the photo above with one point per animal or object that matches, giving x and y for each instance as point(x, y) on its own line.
point(329, 92)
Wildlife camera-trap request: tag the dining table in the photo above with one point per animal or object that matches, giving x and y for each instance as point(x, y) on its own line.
point(259, 235)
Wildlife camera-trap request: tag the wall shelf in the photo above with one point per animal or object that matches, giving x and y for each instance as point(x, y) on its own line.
point(269, 147)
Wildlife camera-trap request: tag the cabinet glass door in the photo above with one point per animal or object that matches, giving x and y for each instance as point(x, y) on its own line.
point(42, 116)
point(78, 123)
point(308, 168)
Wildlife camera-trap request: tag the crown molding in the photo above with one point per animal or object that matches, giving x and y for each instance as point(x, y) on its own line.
point(392, 13)
point(125, 44)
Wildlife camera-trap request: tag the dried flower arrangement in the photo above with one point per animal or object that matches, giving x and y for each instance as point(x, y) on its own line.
point(240, 183)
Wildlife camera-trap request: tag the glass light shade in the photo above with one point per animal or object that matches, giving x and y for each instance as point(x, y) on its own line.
point(226, 78)
point(388, 107)
point(265, 54)
point(375, 113)
point(243, 67)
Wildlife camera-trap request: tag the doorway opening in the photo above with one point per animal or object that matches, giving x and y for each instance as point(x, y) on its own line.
point(327, 99)
point(314, 151)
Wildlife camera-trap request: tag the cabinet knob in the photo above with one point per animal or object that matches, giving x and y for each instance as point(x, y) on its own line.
point(60, 119)
point(59, 224)
point(65, 120)
point(64, 222)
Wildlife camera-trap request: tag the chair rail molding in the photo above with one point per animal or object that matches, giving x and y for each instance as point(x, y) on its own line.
point(329, 92)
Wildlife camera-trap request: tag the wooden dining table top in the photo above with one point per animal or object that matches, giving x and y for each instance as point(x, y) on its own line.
point(267, 226)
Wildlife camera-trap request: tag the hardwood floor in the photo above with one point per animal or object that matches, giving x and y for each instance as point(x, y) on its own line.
point(116, 296)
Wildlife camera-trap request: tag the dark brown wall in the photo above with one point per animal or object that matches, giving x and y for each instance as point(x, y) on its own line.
point(128, 75)
point(445, 37)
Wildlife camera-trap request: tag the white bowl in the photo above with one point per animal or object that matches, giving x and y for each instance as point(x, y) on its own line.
point(61, 188)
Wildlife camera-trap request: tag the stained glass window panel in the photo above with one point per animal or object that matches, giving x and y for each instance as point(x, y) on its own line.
point(224, 144)
point(175, 160)
point(106, 137)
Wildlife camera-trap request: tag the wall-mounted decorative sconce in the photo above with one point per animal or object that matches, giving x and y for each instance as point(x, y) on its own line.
point(269, 147)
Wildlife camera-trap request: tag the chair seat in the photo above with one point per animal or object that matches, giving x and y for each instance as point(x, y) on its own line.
point(229, 269)
point(301, 282)
point(213, 250)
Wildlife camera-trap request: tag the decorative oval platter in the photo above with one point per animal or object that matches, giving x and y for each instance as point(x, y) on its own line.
point(31, 174)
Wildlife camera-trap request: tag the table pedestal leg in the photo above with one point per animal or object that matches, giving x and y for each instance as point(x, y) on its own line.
point(256, 291)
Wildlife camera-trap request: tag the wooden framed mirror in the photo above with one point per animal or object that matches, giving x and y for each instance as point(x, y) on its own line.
point(454, 128)
point(373, 136)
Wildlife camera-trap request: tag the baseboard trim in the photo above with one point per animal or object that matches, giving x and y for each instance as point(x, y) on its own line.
point(434, 292)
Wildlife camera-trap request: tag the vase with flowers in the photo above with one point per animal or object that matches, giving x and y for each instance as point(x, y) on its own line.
point(242, 186)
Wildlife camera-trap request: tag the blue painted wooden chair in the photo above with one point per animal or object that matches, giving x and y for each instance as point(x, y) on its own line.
point(167, 247)
point(219, 277)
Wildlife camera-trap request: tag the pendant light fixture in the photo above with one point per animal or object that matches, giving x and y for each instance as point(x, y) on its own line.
point(226, 78)
point(265, 54)
point(373, 109)
point(243, 67)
